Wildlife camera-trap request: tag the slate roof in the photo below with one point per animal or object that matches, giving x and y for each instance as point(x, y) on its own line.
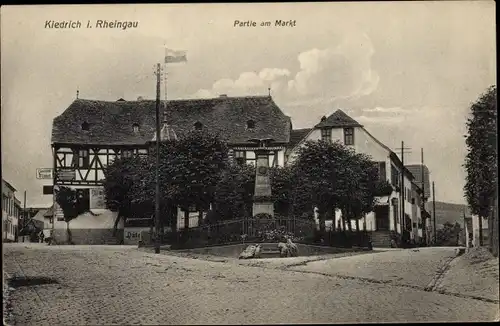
point(9, 185)
point(338, 119)
point(297, 135)
point(111, 123)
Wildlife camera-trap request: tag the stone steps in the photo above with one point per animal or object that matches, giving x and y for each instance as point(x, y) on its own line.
point(381, 239)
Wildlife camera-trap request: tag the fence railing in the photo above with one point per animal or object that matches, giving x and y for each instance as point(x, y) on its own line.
point(258, 230)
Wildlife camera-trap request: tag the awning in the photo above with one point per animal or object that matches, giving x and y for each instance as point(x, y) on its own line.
point(382, 201)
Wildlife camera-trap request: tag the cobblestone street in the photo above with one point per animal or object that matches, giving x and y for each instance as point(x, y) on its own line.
point(99, 285)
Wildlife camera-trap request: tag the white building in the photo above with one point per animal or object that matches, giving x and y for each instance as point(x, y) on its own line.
point(388, 213)
point(10, 212)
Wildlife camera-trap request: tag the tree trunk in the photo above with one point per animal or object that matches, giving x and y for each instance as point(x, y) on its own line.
point(341, 224)
point(357, 225)
point(200, 217)
point(68, 234)
point(117, 221)
point(490, 233)
point(334, 220)
point(480, 225)
point(494, 240)
point(186, 219)
point(321, 219)
point(152, 228)
point(349, 222)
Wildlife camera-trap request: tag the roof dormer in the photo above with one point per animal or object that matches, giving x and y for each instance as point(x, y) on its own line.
point(85, 126)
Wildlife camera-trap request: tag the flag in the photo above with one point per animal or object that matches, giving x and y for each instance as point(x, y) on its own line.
point(172, 56)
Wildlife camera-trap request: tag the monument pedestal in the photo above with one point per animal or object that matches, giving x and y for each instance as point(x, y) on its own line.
point(262, 197)
point(264, 207)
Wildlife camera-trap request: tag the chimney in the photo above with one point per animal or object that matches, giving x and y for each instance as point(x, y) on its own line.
point(140, 98)
point(223, 95)
point(323, 118)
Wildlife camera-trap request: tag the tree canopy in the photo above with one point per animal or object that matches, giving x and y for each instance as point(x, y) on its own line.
point(332, 176)
point(481, 159)
point(234, 192)
point(121, 176)
point(190, 168)
point(70, 204)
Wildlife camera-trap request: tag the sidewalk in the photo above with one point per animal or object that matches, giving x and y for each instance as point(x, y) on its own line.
point(475, 274)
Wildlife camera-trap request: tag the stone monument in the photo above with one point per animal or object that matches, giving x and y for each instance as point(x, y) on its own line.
point(263, 203)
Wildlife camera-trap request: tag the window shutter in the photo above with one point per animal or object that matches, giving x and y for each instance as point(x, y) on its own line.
point(381, 171)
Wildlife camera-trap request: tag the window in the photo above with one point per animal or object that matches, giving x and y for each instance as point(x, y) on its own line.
point(85, 126)
point(349, 136)
point(198, 126)
point(394, 176)
point(408, 225)
point(326, 135)
point(239, 157)
point(250, 124)
point(413, 201)
point(83, 158)
point(250, 157)
point(135, 127)
point(127, 153)
point(382, 173)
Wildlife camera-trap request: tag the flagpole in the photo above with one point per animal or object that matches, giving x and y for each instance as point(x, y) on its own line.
point(158, 139)
point(165, 76)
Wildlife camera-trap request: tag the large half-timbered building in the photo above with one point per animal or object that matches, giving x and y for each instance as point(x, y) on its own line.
point(90, 134)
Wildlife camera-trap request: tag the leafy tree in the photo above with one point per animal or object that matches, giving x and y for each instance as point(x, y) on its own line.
point(67, 199)
point(189, 171)
point(448, 235)
point(332, 176)
point(317, 170)
point(362, 187)
point(481, 159)
point(281, 188)
point(200, 159)
point(121, 175)
point(234, 192)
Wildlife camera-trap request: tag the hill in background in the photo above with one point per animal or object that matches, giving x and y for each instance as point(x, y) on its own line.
point(448, 212)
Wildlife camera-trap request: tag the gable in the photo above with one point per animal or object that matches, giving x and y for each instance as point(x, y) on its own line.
point(338, 119)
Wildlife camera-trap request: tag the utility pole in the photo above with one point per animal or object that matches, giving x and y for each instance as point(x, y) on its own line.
point(403, 189)
point(422, 175)
point(434, 212)
point(24, 213)
point(157, 201)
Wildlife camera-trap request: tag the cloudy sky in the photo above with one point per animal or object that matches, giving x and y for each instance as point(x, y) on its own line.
point(406, 71)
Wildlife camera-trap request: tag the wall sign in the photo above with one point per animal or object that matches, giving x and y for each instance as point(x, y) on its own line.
point(66, 174)
point(44, 173)
point(97, 199)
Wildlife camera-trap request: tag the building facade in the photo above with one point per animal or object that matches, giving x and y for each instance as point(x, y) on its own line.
point(11, 211)
point(388, 213)
point(90, 134)
point(472, 231)
point(422, 180)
